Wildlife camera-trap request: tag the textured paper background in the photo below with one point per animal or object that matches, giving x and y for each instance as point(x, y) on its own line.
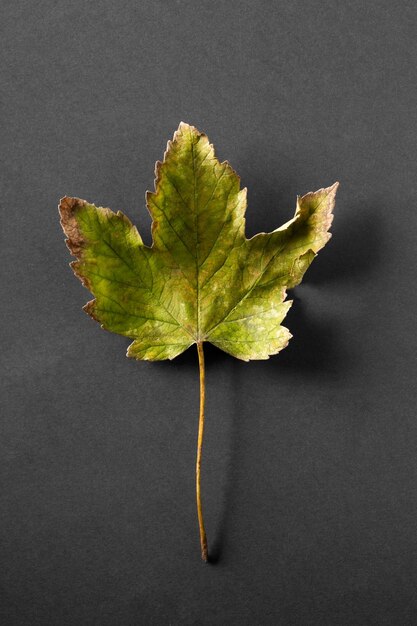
point(310, 459)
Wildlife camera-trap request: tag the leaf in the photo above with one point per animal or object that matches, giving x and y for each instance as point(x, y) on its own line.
point(201, 280)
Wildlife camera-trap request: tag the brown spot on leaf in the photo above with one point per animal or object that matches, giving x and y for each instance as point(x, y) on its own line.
point(90, 308)
point(67, 210)
point(77, 269)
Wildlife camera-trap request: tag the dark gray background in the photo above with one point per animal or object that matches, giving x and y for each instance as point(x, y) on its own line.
point(310, 460)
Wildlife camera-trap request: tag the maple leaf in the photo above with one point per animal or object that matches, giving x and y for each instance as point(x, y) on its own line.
point(201, 280)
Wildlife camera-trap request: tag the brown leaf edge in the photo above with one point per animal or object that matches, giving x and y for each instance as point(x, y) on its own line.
point(75, 243)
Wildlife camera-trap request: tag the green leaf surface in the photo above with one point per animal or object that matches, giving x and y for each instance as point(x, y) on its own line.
point(201, 280)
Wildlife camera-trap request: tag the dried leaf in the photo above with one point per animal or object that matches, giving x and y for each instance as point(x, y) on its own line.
point(201, 280)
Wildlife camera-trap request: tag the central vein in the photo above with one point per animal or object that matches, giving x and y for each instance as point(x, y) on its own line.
point(197, 262)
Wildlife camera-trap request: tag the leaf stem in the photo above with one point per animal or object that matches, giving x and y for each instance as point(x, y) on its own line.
point(203, 538)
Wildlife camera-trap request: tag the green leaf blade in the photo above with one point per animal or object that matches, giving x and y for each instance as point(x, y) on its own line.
point(201, 280)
